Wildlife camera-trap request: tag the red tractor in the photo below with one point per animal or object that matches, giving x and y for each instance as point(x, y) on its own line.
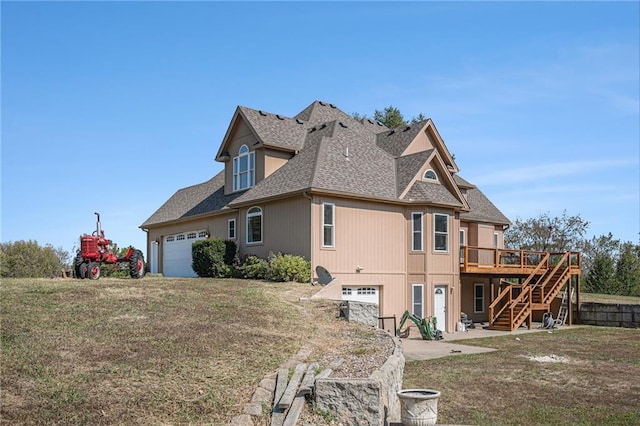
point(96, 249)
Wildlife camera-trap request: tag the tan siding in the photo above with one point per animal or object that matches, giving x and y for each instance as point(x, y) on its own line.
point(422, 142)
point(273, 160)
point(440, 262)
point(285, 228)
point(467, 298)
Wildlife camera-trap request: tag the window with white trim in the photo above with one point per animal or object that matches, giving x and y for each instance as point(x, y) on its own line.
point(496, 240)
point(254, 225)
point(366, 290)
point(328, 225)
point(416, 231)
point(478, 298)
point(231, 229)
point(430, 175)
point(440, 232)
point(171, 239)
point(463, 242)
point(202, 234)
point(191, 236)
point(180, 237)
point(346, 291)
point(417, 300)
point(243, 169)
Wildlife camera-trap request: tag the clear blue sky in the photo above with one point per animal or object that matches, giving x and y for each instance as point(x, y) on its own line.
point(113, 106)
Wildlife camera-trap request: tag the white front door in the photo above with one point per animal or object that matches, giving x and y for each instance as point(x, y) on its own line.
point(440, 306)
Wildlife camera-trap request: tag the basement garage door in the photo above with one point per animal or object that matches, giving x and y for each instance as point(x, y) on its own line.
point(369, 294)
point(176, 258)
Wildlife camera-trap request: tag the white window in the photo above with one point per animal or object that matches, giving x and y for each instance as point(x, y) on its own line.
point(478, 298)
point(463, 242)
point(366, 290)
point(441, 232)
point(430, 175)
point(180, 237)
point(346, 291)
point(496, 240)
point(328, 225)
point(417, 300)
point(243, 169)
point(416, 231)
point(231, 229)
point(191, 236)
point(170, 239)
point(254, 225)
point(202, 234)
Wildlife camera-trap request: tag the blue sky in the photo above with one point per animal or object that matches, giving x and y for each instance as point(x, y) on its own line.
point(113, 106)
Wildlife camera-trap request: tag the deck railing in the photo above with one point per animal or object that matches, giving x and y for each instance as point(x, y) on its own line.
point(474, 258)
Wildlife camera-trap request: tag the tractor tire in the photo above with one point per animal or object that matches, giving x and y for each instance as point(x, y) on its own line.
point(94, 270)
point(137, 265)
point(83, 270)
point(77, 262)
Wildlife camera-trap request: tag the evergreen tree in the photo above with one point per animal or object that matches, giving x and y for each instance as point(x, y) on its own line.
point(601, 278)
point(628, 270)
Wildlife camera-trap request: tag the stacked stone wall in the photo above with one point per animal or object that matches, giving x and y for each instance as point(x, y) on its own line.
point(610, 314)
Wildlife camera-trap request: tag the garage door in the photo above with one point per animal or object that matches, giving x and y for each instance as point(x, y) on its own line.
point(176, 258)
point(369, 294)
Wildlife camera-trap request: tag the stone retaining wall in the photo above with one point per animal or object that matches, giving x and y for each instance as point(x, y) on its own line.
point(362, 312)
point(610, 314)
point(372, 401)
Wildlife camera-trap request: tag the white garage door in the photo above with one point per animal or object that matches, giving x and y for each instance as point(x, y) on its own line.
point(368, 294)
point(176, 258)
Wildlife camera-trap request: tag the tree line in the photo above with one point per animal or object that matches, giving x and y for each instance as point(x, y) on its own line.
point(609, 265)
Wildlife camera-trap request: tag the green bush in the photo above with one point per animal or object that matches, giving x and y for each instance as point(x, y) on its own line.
point(230, 251)
point(253, 267)
point(286, 267)
point(208, 258)
point(27, 259)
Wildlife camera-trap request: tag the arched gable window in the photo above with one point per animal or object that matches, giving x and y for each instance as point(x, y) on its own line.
point(430, 175)
point(244, 169)
point(254, 225)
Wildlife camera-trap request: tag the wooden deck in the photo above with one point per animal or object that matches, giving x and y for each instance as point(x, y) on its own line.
point(508, 262)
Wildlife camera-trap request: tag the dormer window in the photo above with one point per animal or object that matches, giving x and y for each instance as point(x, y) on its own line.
point(243, 169)
point(430, 175)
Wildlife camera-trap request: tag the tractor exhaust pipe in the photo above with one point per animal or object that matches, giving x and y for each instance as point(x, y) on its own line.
point(98, 228)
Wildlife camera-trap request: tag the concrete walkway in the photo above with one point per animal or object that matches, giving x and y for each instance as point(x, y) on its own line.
point(416, 349)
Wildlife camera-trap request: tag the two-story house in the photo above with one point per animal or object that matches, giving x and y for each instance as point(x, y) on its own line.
point(383, 210)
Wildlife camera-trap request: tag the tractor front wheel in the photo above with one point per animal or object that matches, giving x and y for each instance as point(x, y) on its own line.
point(94, 270)
point(136, 264)
point(83, 270)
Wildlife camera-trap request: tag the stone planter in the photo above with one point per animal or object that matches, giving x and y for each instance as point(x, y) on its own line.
point(419, 407)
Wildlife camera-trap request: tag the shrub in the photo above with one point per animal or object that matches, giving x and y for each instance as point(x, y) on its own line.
point(208, 258)
point(286, 267)
point(253, 267)
point(230, 251)
point(27, 259)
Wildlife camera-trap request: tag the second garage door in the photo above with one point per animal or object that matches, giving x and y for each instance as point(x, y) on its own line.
point(367, 294)
point(176, 258)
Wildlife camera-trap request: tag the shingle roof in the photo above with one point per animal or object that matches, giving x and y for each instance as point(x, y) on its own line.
point(336, 153)
point(396, 141)
point(205, 197)
point(431, 192)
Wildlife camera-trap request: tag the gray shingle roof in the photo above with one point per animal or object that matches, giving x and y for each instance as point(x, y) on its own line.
point(335, 153)
point(198, 199)
point(395, 141)
point(431, 192)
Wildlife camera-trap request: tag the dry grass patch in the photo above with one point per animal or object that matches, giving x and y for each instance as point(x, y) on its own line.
point(142, 351)
point(581, 375)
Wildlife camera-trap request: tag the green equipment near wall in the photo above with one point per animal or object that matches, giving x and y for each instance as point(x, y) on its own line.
point(424, 326)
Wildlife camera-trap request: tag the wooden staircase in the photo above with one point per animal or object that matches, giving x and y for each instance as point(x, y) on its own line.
point(516, 302)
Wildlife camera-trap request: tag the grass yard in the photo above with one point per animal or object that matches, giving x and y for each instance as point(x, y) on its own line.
point(151, 351)
point(578, 376)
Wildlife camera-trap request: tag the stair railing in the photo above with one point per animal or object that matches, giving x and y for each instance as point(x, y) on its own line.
point(553, 290)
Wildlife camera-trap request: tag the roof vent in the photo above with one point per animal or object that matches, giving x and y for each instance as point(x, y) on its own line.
point(264, 114)
point(322, 103)
point(279, 117)
point(342, 124)
point(323, 125)
point(379, 123)
point(299, 121)
point(370, 121)
point(391, 132)
point(313, 129)
point(406, 128)
point(332, 105)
